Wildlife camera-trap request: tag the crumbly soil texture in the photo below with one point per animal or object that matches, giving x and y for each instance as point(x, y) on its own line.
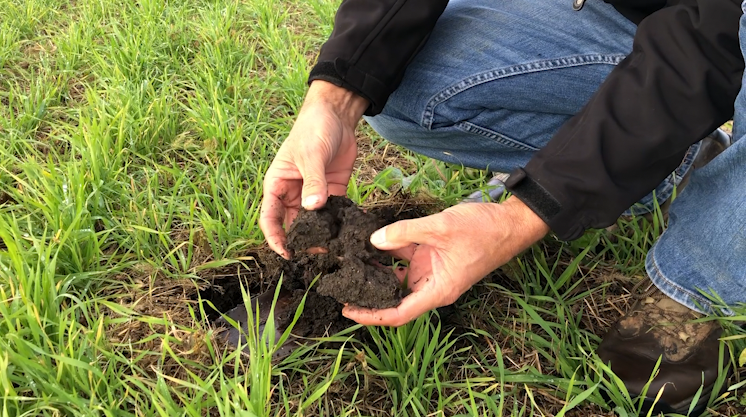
point(334, 242)
point(333, 245)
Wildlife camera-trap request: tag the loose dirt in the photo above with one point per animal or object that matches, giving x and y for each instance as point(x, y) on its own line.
point(334, 242)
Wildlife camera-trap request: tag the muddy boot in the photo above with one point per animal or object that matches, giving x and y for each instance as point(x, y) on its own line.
point(656, 327)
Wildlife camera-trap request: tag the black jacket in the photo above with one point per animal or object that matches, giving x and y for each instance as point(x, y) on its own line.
point(677, 85)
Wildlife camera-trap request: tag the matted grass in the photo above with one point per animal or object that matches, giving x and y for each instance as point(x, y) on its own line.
point(134, 136)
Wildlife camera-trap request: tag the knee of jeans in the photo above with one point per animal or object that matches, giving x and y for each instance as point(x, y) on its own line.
point(400, 131)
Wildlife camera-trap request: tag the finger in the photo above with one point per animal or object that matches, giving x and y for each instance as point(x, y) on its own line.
point(411, 307)
point(270, 221)
point(337, 189)
point(290, 214)
point(317, 250)
point(314, 193)
point(405, 253)
point(405, 233)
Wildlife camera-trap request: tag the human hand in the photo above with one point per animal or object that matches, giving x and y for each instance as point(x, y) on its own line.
point(449, 252)
point(315, 160)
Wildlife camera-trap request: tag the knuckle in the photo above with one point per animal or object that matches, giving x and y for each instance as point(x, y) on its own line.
point(449, 299)
point(312, 183)
point(424, 228)
point(400, 321)
point(398, 230)
point(436, 228)
point(266, 223)
point(450, 217)
point(312, 159)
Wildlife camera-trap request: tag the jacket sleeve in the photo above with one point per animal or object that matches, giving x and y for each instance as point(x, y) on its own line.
point(372, 43)
point(678, 84)
point(636, 10)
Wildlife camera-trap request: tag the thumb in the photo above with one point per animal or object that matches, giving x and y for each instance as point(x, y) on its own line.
point(403, 233)
point(314, 193)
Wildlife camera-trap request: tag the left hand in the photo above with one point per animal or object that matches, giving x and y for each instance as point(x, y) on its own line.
point(449, 252)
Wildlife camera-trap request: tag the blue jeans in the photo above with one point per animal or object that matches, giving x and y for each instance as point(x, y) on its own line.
point(704, 248)
point(497, 79)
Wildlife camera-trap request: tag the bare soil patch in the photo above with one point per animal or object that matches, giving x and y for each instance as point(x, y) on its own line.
point(333, 244)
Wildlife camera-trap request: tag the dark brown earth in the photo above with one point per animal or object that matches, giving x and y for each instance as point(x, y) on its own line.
point(352, 270)
point(321, 315)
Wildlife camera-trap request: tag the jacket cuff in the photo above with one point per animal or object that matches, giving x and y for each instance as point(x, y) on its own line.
point(544, 204)
point(351, 78)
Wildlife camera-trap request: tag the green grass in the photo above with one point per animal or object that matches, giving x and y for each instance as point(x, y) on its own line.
point(134, 139)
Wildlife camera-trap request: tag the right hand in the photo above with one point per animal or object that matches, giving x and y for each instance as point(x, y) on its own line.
point(315, 160)
point(448, 252)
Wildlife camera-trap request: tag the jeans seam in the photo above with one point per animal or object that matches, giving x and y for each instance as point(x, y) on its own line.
point(687, 162)
point(518, 69)
point(495, 136)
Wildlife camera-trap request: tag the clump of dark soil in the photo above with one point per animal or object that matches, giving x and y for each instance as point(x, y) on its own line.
point(334, 242)
point(331, 243)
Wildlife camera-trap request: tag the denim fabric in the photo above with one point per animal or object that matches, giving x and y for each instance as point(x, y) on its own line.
point(704, 248)
point(497, 79)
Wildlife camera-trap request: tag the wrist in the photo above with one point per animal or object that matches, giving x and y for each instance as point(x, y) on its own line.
point(528, 228)
point(348, 106)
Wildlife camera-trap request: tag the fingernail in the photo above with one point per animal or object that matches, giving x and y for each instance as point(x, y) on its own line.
point(378, 237)
point(311, 201)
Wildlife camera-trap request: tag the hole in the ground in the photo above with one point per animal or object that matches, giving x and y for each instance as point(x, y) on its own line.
point(223, 291)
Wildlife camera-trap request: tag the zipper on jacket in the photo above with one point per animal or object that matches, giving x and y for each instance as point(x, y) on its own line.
point(578, 4)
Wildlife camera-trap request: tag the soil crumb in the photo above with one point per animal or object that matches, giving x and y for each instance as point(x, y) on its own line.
point(334, 242)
